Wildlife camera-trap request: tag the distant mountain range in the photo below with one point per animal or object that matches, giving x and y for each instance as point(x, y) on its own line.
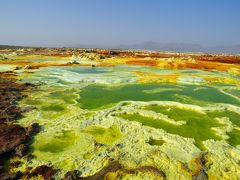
point(175, 47)
point(11, 47)
point(183, 47)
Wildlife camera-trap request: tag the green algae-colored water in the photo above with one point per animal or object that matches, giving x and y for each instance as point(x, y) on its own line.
point(233, 116)
point(95, 96)
point(197, 127)
point(235, 137)
point(74, 107)
point(157, 142)
point(57, 143)
point(105, 135)
point(53, 107)
point(68, 96)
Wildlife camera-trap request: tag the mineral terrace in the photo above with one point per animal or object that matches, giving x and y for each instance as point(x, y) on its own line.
point(118, 114)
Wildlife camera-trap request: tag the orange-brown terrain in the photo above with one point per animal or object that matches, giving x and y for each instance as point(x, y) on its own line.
point(220, 62)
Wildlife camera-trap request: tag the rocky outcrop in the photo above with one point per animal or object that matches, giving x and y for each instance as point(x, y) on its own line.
point(10, 176)
point(14, 139)
point(11, 136)
point(201, 168)
point(114, 169)
point(10, 93)
point(45, 171)
point(71, 175)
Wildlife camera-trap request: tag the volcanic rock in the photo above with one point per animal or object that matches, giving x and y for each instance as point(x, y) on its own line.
point(45, 171)
point(21, 150)
point(11, 136)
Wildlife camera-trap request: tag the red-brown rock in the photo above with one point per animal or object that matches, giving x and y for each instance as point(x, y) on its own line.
point(44, 171)
point(11, 136)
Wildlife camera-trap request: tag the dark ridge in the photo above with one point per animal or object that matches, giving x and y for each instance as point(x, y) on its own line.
point(14, 139)
point(113, 166)
point(45, 171)
point(12, 47)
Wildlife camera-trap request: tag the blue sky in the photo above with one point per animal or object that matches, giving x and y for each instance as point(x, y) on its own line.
point(115, 22)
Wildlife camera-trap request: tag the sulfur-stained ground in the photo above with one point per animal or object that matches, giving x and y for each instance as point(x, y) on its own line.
point(130, 115)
